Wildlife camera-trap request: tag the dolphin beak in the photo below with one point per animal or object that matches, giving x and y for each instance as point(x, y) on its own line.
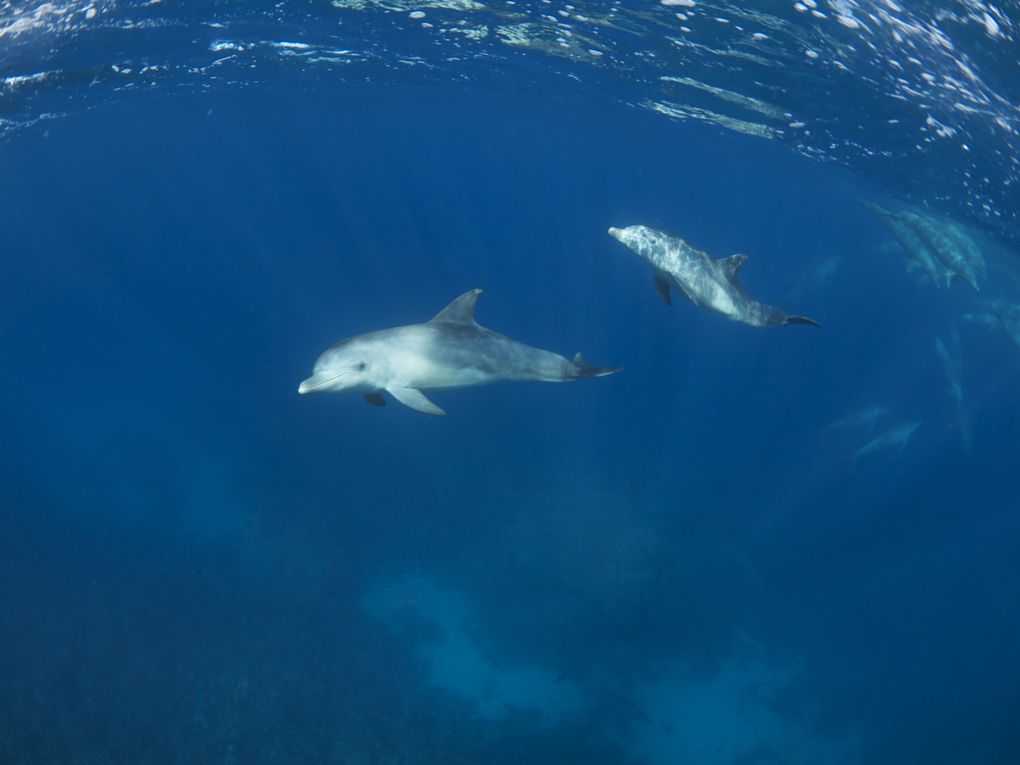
point(616, 233)
point(313, 383)
point(320, 381)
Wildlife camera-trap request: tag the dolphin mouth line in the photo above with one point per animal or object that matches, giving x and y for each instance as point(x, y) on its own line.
point(307, 387)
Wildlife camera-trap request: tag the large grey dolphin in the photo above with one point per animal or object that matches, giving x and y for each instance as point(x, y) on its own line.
point(450, 351)
point(702, 280)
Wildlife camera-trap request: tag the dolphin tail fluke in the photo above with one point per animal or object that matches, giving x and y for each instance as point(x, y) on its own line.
point(800, 320)
point(584, 369)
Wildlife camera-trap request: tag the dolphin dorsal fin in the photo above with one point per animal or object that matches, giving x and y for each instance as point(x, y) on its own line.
point(731, 265)
point(461, 310)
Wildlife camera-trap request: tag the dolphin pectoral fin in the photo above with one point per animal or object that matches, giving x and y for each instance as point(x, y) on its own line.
point(731, 265)
point(415, 399)
point(662, 287)
point(375, 399)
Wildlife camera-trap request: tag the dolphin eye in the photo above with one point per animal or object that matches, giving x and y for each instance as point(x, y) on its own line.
point(361, 366)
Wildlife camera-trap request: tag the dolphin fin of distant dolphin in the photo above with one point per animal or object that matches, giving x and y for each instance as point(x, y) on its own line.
point(460, 311)
point(662, 287)
point(375, 399)
point(414, 398)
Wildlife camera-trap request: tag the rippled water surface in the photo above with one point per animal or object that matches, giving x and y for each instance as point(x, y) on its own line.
point(922, 97)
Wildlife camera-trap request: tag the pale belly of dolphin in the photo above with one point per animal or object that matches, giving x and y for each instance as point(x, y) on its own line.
point(708, 291)
point(428, 376)
point(499, 359)
point(722, 301)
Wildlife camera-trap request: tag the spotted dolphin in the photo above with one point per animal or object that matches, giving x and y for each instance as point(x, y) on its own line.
point(952, 248)
point(917, 251)
point(944, 250)
point(449, 351)
point(705, 282)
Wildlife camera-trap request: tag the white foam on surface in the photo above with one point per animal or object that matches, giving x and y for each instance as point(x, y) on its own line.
point(16, 81)
point(21, 20)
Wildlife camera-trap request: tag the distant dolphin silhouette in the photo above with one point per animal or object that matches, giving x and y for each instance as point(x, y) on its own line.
point(705, 282)
point(450, 351)
point(951, 366)
point(898, 436)
point(866, 416)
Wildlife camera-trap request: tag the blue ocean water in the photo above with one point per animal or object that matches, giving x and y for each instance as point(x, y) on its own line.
point(684, 562)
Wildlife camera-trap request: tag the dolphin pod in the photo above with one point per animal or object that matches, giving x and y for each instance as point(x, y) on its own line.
point(452, 350)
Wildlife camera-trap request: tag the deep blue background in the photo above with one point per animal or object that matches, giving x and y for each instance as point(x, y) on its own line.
point(176, 517)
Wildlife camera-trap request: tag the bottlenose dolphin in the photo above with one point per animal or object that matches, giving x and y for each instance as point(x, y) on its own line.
point(898, 436)
point(450, 351)
point(702, 280)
